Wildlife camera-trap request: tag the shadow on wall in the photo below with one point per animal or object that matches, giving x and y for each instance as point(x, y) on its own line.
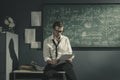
point(15, 62)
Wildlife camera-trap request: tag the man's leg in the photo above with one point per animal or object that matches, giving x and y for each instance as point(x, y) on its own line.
point(49, 72)
point(68, 68)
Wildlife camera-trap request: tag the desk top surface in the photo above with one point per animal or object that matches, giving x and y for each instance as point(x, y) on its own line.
point(28, 71)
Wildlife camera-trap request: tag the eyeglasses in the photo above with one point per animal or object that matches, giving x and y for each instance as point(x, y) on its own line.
point(59, 31)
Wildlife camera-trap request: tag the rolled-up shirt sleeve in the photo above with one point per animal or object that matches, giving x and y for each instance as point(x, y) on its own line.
point(70, 49)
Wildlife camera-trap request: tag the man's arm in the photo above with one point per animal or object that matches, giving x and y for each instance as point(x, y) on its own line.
point(46, 53)
point(65, 53)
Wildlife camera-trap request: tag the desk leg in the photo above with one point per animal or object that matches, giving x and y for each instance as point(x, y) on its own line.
point(14, 76)
point(64, 77)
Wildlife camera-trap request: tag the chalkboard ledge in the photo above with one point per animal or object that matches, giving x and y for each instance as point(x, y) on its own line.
point(96, 48)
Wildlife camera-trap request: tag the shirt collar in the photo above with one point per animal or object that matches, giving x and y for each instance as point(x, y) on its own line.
point(53, 37)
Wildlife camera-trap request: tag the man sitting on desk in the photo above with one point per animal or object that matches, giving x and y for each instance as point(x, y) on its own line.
point(55, 48)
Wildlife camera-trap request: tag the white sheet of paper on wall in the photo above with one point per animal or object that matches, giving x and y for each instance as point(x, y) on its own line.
point(36, 18)
point(36, 44)
point(30, 35)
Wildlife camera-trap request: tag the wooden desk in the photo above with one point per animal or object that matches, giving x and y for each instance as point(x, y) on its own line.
point(22, 74)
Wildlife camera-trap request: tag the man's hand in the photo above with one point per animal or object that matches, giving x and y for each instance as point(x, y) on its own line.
point(70, 61)
point(49, 61)
point(53, 61)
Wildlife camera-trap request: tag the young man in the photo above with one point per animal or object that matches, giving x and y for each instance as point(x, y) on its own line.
point(54, 47)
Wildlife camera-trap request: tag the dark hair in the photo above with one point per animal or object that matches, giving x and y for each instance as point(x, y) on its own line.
point(57, 23)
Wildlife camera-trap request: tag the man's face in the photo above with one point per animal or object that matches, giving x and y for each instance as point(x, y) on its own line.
point(58, 31)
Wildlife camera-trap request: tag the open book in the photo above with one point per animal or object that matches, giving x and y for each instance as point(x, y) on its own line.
point(64, 57)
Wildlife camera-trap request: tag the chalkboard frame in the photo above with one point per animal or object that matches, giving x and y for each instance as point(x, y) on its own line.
point(86, 48)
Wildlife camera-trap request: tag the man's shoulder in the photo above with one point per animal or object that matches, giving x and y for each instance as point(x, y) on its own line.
point(65, 37)
point(48, 38)
point(51, 37)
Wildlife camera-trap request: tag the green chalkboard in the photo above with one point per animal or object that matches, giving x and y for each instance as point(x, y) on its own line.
point(86, 25)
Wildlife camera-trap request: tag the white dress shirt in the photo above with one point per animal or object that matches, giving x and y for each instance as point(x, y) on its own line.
point(49, 48)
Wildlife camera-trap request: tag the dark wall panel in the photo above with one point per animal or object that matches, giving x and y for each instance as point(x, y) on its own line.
point(88, 65)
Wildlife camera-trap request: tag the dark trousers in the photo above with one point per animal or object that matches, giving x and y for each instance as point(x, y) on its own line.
point(50, 70)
